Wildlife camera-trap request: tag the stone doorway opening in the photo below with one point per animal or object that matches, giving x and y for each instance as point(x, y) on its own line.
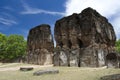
point(61, 44)
point(69, 44)
point(80, 43)
point(112, 60)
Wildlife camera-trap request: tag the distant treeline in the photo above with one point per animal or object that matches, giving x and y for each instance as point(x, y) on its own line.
point(12, 47)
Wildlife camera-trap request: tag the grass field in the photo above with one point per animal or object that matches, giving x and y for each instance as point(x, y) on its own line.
point(11, 72)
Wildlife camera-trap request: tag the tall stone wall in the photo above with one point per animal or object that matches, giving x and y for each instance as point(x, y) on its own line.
point(83, 40)
point(40, 45)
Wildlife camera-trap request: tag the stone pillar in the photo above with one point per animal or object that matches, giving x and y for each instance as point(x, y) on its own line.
point(40, 45)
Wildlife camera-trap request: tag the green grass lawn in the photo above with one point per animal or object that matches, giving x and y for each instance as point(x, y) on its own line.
point(66, 73)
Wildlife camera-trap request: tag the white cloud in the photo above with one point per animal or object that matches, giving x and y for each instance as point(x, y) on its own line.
point(30, 10)
point(7, 22)
point(107, 8)
point(7, 19)
point(8, 8)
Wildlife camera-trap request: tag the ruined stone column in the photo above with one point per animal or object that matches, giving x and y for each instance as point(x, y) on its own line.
point(83, 39)
point(40, 45)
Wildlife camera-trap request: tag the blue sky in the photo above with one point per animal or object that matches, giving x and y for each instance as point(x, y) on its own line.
point(19, 16)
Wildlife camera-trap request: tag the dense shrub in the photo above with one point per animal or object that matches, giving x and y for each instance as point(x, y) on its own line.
point(12, 47)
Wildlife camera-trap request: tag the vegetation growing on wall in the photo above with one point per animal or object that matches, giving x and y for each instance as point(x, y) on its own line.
point(118, 46)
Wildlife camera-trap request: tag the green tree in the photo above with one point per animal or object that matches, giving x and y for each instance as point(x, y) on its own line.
point(16, 46)
point(3, 40)
point(12, 47)
point(118, 45)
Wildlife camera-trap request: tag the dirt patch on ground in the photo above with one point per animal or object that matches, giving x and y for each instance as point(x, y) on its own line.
point(14, 68)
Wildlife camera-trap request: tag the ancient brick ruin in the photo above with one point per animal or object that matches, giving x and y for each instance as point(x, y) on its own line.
point(82, 40)
point(40, 45)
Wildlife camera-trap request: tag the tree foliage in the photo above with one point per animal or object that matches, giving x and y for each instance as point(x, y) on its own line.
point(12, 47)
point(118, 46)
